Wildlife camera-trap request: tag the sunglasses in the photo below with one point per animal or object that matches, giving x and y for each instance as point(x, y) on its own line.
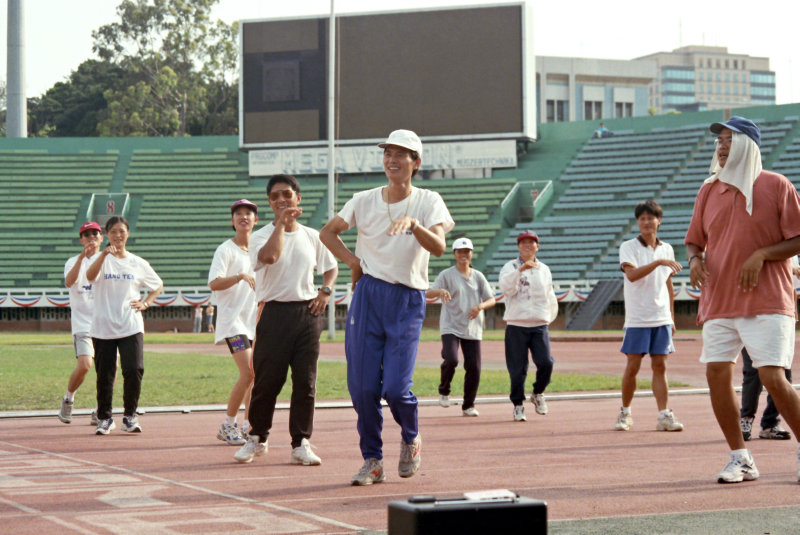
point(91, 233)
point(285, 193)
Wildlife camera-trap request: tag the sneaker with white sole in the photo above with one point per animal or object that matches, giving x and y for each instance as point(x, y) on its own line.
point(624, 421)
point(130, 424)
point(231, 434)
point(371, 472)
point(519, 413)
point(540, 404)
point(252, 448)
point(93, 420)
point(444, 401)
point(739, 468)
point(746, 423)
point(775, 433)
point(667, 422)
point(65, 414)
point(302, 454)
point(410, 457)
point(104, 427)
point(472, 411)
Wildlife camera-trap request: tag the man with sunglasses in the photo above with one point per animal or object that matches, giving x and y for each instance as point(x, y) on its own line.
point(80, 302)
point(284, 255)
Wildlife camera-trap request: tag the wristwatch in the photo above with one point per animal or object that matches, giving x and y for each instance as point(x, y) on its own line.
point(326, 290)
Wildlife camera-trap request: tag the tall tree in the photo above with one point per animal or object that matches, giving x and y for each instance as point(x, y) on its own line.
point(171, 50)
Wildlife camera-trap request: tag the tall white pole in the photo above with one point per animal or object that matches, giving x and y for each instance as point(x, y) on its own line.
point(331, 148)
point(17, 107)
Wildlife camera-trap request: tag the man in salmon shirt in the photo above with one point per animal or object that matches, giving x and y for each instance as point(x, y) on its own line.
point(744, 229)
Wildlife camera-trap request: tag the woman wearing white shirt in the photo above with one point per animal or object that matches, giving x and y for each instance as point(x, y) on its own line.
point(117, 324)
point(232, 279)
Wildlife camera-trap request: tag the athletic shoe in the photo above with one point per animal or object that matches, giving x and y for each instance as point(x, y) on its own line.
point(539, 403)
point(739, 468)
point(444, 401)
point(104, 427)
point(667, 422)
point(410, 457)
point(775, 433)
point(624, 421)
point(65, 414)
point(472, 411)
point(746, 423)
point(519, 413)
point(371, 472)
point(230, 433)
point(130, 424)
point(245, 432)
point(93, 420)
point(302, 454)
point(252, 448)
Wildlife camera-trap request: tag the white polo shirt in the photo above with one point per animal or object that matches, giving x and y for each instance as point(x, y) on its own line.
point(647, 299)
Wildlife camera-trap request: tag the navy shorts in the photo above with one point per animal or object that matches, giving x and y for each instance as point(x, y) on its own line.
point(238, 343)
point(652, 340)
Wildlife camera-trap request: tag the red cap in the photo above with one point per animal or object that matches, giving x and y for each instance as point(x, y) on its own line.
point(244, 202)
point(527, 234)
point(89, 225)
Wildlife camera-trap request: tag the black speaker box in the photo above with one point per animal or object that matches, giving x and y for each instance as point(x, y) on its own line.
point(426, 515)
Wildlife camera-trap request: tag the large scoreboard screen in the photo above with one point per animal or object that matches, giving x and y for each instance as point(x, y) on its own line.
point(462, 73)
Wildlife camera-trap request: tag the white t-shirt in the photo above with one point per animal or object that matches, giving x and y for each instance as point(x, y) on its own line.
point(81, 296)
point(120, 281)
point(291, 278)
point(236, 306)
point(647, 299)
point(394, 259)
point(529, 295)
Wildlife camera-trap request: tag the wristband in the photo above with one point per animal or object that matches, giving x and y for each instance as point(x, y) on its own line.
point(415, 225)
point(693, 257)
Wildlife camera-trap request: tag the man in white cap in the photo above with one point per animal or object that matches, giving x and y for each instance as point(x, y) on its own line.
point(81, 303)
point(744, 229)
point(399, 226)
point(465, 294)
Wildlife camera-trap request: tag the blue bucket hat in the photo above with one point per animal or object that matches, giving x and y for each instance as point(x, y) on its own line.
point(741, 125)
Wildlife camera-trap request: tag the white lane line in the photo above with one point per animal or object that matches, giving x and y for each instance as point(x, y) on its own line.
point(267, 505)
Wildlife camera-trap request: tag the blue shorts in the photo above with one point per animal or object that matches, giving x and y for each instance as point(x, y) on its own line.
point(652, 340)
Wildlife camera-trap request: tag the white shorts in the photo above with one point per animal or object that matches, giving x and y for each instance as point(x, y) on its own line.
point(83, 344)
point(769, 339)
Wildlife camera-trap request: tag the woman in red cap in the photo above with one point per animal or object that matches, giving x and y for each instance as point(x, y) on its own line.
point(232, 279)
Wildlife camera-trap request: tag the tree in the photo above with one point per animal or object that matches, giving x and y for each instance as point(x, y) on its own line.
point(179, 63)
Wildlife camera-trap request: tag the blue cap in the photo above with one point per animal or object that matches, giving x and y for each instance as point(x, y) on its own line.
point(741, 125)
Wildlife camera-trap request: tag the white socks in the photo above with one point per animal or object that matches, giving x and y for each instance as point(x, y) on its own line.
point(70, 396)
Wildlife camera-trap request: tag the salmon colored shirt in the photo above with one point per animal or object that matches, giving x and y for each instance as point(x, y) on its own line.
point(721, 225)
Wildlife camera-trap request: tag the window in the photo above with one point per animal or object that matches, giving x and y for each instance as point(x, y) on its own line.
point(762, 78)
point(718, 64)
point(727, 65)
point(736, 90)
point(675, 87)
point(562, 111)
point(551, 111)
point(727, 90)
point(708, 63)
point(727, 77)
point(592, 109)
point(736, 77)
point(623, 109)
point(680, 74)
point(677, 99)
point(736, 64)
point(719, 77)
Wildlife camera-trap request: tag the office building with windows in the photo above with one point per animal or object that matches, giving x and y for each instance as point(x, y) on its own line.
point(577, 89)
point(696, 78)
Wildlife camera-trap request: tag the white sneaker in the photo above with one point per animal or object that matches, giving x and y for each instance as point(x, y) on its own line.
point(739, 468)
point(624, 421)
point(371, 472)
point(93, 420)
point(519, 413)
point(130, 424)
point(667, 422)
point(65, 414)
point(472, 411)
point(540, 404)
point(251, 449)
point(302, 454)
point(410, 457)
point(231, 434)
point(444, 401)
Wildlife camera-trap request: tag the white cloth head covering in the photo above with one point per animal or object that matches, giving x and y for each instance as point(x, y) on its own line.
point(741, 168)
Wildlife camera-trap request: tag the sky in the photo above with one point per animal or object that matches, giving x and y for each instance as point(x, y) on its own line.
point(58, 32)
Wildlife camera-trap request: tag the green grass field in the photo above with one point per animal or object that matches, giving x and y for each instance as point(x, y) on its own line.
point(35, 367)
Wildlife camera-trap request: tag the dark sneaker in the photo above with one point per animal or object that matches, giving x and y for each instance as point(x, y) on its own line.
point(746, 423)
point(65, 414)
point(104, 427)
point(130, 424)
point(775, 433)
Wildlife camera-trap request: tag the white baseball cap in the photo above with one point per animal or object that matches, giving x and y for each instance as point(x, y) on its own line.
point(404, 138)
point(463, 243)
